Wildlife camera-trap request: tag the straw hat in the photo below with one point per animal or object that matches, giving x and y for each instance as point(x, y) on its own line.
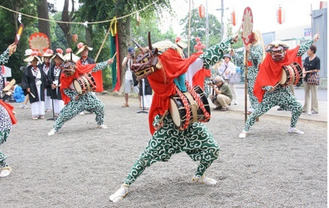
point(82, 47)
point(59, 54)
point(28, 52)
point(67, 56)
point(48, 53)
point(180, 43)
point(33, 55)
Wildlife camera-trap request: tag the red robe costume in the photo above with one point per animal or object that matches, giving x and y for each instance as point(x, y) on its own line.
point(66, 81)
point(270, 72)
point(162, 81)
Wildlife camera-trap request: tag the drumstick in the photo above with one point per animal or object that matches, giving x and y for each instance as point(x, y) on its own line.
point(114, 55)
point(164, 115)
point(32, 94)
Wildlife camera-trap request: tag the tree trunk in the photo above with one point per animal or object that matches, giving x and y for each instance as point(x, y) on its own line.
point(89, 35)
point(124, 43)
point(66, 27)
point(43, 13)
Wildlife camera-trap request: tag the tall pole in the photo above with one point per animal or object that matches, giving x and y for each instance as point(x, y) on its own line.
point(221, 19)
point(207, 25)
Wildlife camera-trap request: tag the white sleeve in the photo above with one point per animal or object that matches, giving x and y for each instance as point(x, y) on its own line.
point(196, 66)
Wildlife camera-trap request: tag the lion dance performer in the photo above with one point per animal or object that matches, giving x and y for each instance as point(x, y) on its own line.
point(167, 139)
point(268, 89)
point(76, 102)
point(7, 117)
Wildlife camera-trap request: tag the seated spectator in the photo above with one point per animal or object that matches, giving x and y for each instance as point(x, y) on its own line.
point(18, 94)
point(222, 97)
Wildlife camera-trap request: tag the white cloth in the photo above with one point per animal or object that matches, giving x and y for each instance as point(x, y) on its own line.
point(128, 74)
point(58, 106)
point(38, 108)
point(48, 105)
point(226, 70)
point(196, 66)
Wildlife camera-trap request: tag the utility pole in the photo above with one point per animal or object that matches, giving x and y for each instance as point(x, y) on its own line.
point(207, 25)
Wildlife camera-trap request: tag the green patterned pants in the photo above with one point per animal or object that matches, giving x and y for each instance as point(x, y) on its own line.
point(87, 102)
point(282, 97)
point(196, 141)
point(251, 77)
point(3, 138)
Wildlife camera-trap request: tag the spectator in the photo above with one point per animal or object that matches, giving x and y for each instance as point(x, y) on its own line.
point(129, 83)
point(34, 80)
point(45, 66)
point(311, 65)
point(53, 77)
point(227, 69)
point(223, 95)
point(18, 94)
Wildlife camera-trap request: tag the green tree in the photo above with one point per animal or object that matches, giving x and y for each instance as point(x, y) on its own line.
point(198, 28)
point(150, 24)
point(8, 28)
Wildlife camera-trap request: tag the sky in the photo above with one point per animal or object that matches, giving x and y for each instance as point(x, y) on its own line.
point(297, 12)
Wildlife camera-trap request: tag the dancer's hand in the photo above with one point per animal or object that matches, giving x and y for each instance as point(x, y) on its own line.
point(28, 90)
point(159, 126)
point(12, 48)
point(316, 37)
point(110, 61)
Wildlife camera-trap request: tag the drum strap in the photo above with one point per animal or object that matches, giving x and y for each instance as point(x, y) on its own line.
point(199, 102)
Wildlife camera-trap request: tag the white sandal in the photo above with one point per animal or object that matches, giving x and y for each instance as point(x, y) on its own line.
point(243, 134)
point(204, 180)
point(120, 193)
point(5, 171)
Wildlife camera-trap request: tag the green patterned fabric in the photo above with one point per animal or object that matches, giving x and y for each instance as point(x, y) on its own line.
point(256, 57)
point(282, 97)
point(88, 102)
point(3, 138)
point(196, 141)
point(4, 57)
point(215, 53)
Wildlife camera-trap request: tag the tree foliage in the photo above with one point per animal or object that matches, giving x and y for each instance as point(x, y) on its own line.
point(198, 28)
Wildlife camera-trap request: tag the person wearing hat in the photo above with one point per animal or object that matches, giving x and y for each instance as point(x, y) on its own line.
point(7, 117)
point(168, 139)
point(267, 90)
point(84, 50)
point(130, 84)
point(76, 103)
point(53, 77)
point(45, 66)
point(223, 95)
point(226, 70)
point(34, 82)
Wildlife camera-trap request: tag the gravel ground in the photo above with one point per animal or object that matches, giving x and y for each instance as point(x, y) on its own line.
point(81, 165)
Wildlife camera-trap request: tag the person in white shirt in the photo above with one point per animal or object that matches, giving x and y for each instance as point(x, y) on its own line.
point(226, 70)
point(129, 82)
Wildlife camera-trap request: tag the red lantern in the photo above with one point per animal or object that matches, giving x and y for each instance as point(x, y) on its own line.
point(75, 38)
point(280, 15)
point(233, 18)
point(201, 11)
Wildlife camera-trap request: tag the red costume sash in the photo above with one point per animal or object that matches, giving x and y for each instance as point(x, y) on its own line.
point(270, 72)
point(66, 81)
point(162, 81)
